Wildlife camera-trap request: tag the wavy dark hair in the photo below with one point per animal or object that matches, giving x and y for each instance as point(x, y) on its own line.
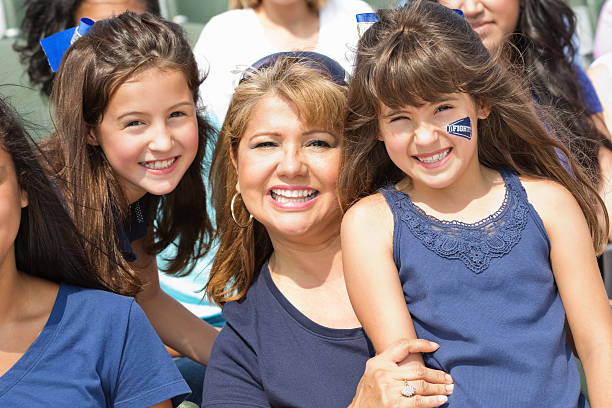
point(544, 51)
point(47, 244)
point(43, 18)
point(113, 51)
point(424, 51)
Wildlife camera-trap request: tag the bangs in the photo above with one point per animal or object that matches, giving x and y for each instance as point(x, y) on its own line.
point(420, 62)
point(320, 101)
point(322, 105)
point(414, 73)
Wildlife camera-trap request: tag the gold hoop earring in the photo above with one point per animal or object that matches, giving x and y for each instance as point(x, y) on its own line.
point(234, 215)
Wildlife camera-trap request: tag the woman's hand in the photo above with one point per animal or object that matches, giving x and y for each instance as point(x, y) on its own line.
point(383, 379)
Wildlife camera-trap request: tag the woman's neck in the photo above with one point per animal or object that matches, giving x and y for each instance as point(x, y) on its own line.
point(21, 295)
point(307, 265)
point(11, 287)
point(289, 27)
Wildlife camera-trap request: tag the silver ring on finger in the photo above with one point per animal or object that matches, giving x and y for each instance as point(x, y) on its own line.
point(408, 390)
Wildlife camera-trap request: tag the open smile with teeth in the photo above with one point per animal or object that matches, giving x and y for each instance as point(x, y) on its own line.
point(434, 158)
point(292, 196)
point(159, 164)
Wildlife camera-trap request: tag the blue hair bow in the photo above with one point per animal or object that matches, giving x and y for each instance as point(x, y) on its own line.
point(55, 45)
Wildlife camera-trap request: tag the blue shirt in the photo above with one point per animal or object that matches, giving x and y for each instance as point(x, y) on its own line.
point(96, 350)
point(270, 355)
point(593, 104)
point(486, 293)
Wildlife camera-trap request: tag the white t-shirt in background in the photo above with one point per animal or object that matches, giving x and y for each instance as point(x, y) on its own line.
point(234, 40)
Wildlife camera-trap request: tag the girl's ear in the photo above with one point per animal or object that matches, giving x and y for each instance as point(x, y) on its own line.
point(92, 139)
point(24, 198)
point(484, 110)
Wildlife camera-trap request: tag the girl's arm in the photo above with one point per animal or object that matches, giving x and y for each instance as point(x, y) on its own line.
point(371, 277)
point(580, 285)
point(176, 326)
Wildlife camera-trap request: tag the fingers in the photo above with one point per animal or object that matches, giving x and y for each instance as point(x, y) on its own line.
point(420, 372)
point(422, 387)
point(399, 350)
point(420, 401)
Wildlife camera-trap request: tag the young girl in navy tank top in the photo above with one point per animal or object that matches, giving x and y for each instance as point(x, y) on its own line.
point(461, 210)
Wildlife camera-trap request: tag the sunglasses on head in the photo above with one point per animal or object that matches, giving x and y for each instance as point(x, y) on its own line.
point(307, 58)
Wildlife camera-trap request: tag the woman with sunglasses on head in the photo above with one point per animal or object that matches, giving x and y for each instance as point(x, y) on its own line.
point(291, 337)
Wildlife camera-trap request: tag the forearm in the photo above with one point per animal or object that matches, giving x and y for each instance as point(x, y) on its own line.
point(178, 327)
point(597, 368)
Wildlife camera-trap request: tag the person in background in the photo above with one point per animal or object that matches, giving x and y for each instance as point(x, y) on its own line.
point(64, 339)
point(234, 40)
point(603, 33)
point(46, 17)
point(600, 73)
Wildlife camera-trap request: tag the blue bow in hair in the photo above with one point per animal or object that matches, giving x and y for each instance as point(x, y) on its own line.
point(55, 45)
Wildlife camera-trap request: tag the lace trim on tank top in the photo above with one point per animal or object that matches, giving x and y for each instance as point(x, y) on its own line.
point(475, 244)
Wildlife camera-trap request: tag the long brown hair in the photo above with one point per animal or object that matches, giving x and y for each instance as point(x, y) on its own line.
point(321, 102)
point(423, 51)
point(92, 69)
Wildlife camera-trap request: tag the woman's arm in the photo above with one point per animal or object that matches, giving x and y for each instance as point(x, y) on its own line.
point(371, 277)
point(176, 326)
point(577, 277)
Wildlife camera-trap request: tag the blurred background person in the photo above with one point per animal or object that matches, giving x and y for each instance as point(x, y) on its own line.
point(46, 17)
point(603, 33)
point(233, 40)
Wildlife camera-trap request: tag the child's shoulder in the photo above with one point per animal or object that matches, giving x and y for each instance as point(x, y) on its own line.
point(542, 190)
point(550, 199)
point(369, 213)
point(374, 204)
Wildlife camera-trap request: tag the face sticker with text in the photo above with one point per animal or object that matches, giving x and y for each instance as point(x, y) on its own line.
point(461, 128)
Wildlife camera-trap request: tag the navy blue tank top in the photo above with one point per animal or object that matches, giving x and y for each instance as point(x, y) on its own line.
point(486, 293)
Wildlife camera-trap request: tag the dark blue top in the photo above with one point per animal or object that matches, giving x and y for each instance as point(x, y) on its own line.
point(96, 350)
point(486, 293)
point(271, 355)
point(134, 228)
point(588, 92)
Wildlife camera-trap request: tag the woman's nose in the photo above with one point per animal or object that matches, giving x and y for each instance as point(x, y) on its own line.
point(471, 8)
point(291, 163)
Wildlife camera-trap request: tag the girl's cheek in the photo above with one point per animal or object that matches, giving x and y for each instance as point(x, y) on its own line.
point(460, 128)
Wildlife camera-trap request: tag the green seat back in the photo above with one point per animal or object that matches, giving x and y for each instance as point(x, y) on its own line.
point(17, 91)
point(14, 11)
point(196, 11)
